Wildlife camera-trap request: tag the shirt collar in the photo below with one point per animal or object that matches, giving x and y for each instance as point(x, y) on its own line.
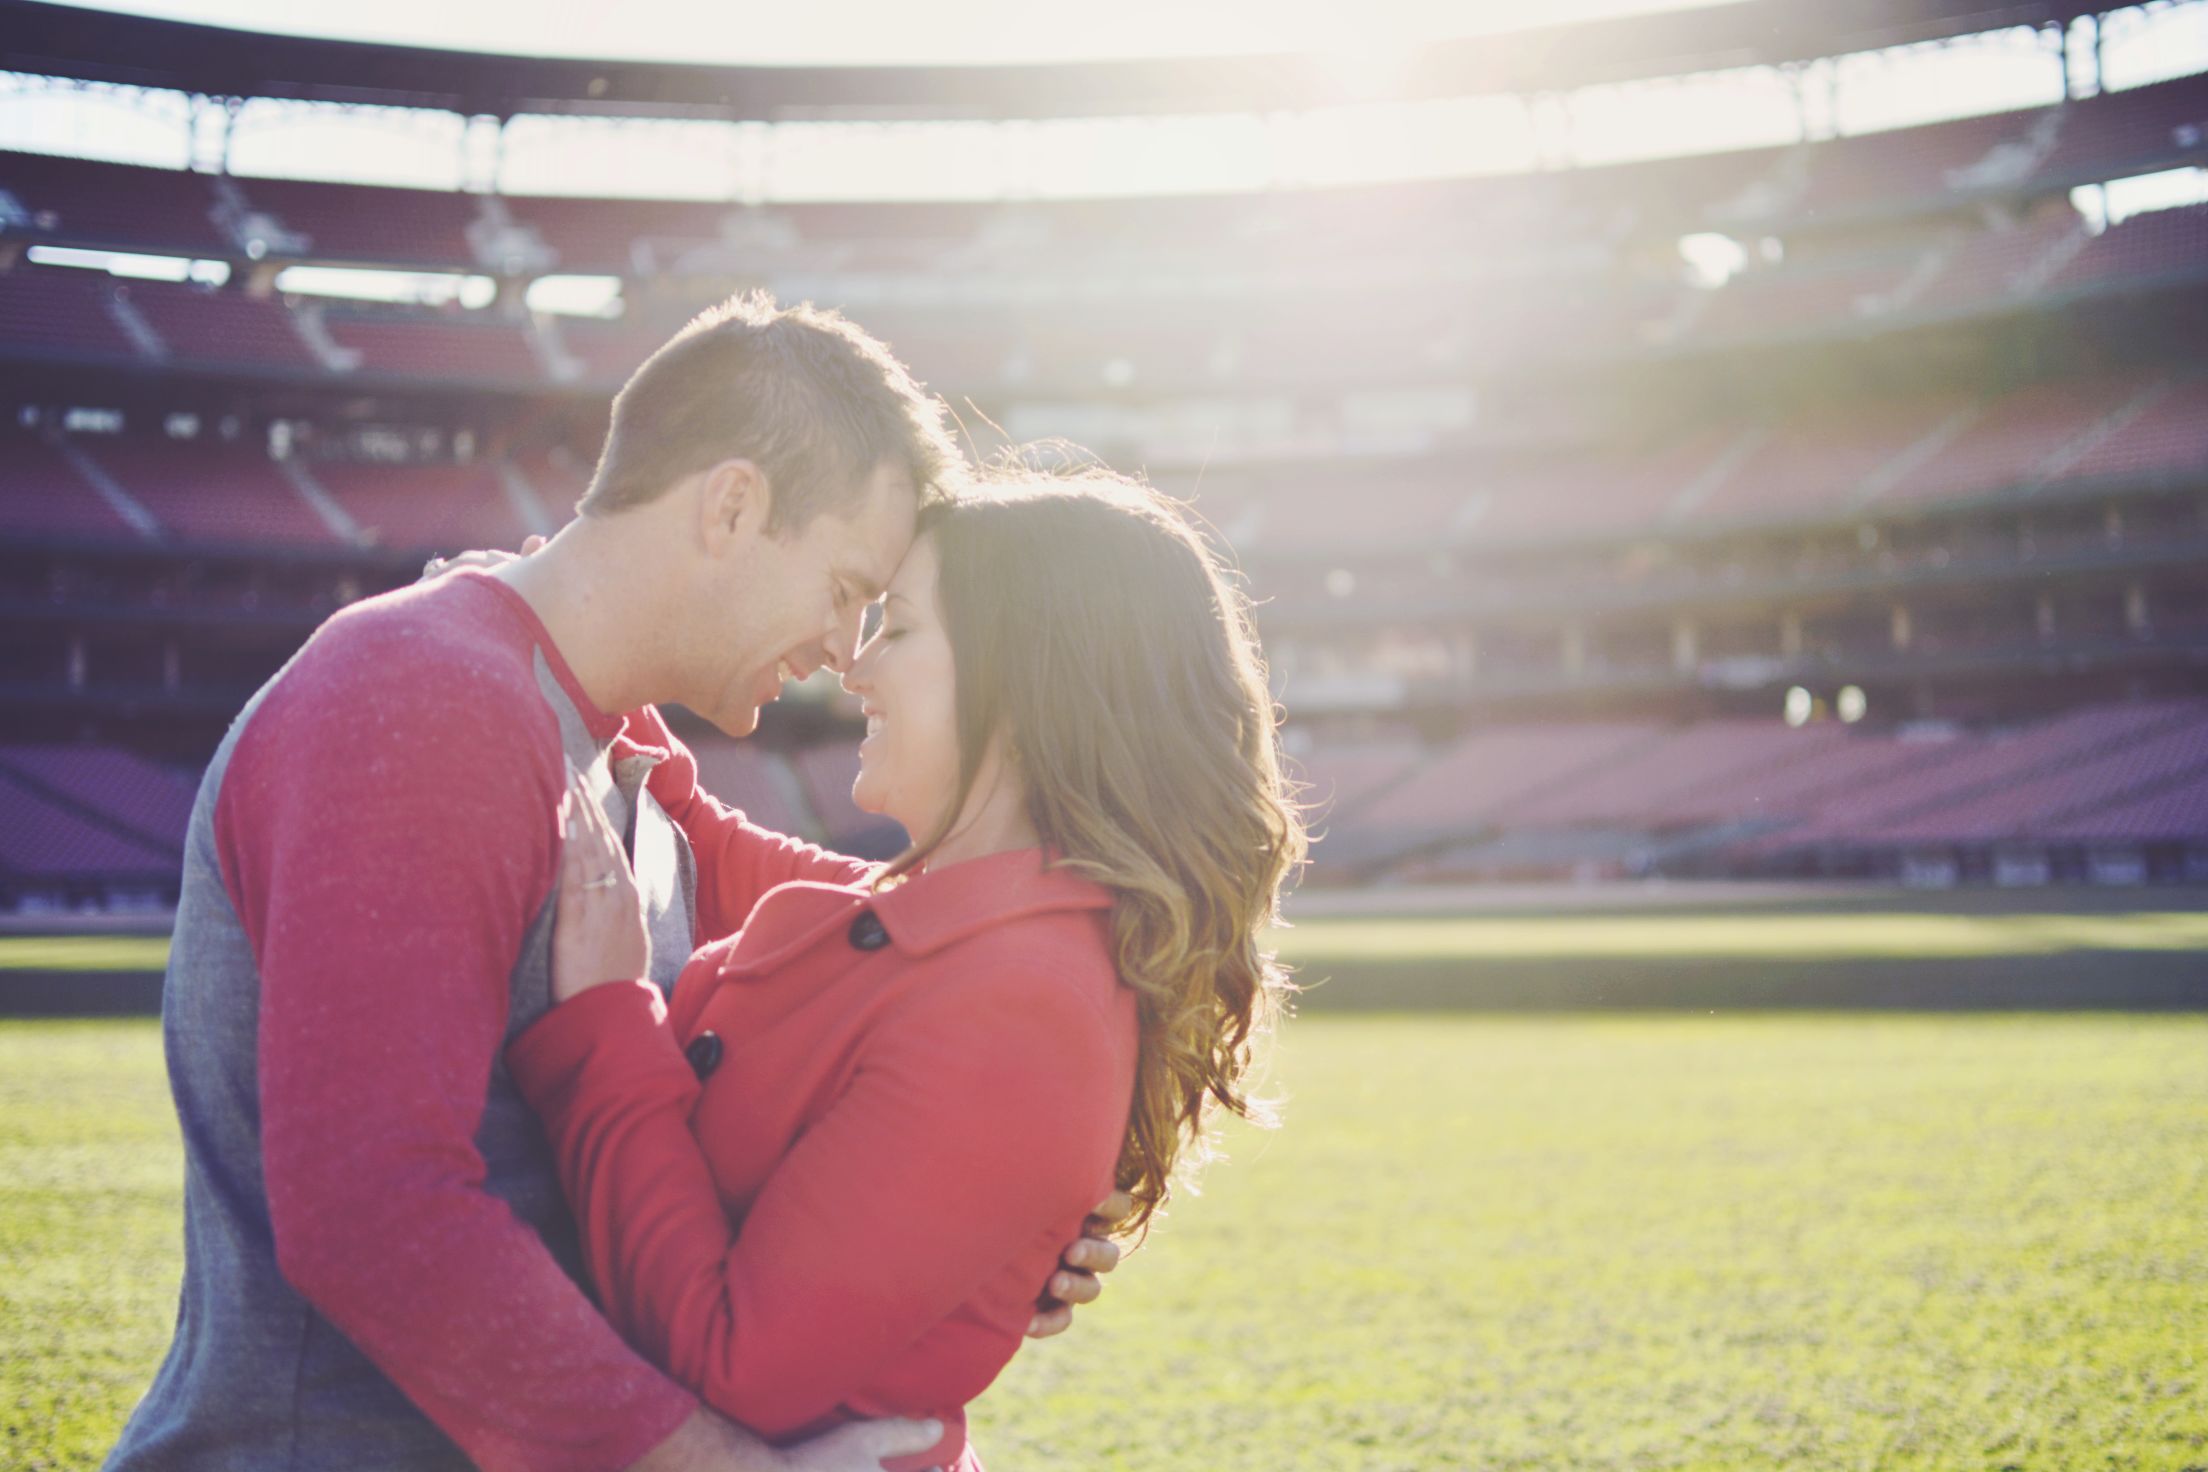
point(602, 727)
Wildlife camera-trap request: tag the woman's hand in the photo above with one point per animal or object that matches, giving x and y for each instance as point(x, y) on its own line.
point(598, 934)
point(1075, 1282)
point(437, 567)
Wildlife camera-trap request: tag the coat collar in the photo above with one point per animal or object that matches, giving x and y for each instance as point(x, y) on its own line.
point(938, 907)
point(928, 912)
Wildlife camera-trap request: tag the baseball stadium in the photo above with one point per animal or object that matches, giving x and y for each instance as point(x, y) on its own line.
point(1723, 491)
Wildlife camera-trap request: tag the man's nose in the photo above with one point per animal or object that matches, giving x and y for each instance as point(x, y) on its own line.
point(842, 643)
point(855, 676)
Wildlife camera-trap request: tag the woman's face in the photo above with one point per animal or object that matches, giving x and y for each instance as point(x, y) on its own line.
point(907, 687)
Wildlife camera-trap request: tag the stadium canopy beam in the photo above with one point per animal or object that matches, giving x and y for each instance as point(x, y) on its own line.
point(58, 40)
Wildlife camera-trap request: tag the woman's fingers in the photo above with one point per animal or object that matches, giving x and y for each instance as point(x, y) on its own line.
point(1110, 1212)
point(1092, 1255)
point(1050, 1322)
point(604, 840)
point(593, 835)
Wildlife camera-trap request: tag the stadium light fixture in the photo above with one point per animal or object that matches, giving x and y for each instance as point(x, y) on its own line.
point(136, 267)
point(575, 296)
point(409, 288)
point(1712, 259)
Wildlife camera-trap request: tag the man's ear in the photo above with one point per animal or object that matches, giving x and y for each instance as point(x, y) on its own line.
point(734, 502)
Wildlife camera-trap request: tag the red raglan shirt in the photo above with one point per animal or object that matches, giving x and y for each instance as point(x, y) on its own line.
point(380, 1266)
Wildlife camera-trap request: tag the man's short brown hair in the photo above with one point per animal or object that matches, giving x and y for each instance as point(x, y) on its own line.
point(800, 392)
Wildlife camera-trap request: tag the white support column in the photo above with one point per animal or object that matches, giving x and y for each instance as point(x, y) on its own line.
point(2138, 616)
point(1573, 652)
point(1685, 646)
point(1790, 634)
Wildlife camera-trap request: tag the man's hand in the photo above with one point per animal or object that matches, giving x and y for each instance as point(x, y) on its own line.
point(861, 1446)
point(1075, 1282)
point(708, 1443)
point(492, 557)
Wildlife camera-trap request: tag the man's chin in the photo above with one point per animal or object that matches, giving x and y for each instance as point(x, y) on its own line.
point(738, 723)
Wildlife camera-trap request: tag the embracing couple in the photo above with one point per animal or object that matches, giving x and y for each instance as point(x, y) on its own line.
point(540, 1111)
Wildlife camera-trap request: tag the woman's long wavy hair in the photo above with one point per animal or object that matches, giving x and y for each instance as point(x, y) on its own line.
point(1101, 642)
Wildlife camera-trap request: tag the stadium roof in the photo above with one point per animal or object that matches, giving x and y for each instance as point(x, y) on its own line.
point(63, 41)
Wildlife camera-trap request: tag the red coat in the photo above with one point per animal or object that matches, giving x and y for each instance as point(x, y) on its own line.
point(912, 1101)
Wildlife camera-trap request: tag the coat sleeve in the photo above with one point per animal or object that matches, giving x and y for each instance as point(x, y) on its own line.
point(979, 1126)
point(385, 850)
point(738, 861)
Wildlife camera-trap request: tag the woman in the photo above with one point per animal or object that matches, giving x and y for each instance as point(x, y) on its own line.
point(826, 1182)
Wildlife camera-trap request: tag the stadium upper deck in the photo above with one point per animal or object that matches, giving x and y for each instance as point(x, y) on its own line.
point(50, 39)
point(1518, 496)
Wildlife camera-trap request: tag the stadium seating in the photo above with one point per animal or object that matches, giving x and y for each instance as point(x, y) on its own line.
point(45, 841)
point(2079, 786)
point(2165, 444)
point(2176, 811)
point(140, 801)
point(426, 508)
point(85, 202)
point(223, 328)
point(1702, 773)
point(1339, 779)
point(2142, 250)
point(2017, 440)
point(1977, 768)
point(51, 312)
point(424, 346)
point(47, 497)
point(1467, 787)
point(366, 224)
point(214, 494)
point(1821, 462)
point(2136, 131)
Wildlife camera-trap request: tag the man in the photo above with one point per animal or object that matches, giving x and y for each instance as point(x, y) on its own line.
point(380, 1271)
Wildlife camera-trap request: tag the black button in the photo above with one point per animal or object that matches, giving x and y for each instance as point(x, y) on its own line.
point(704, 1054)
point(868, 932)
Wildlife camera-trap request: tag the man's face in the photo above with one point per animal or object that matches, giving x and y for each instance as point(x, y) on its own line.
point(797, 600)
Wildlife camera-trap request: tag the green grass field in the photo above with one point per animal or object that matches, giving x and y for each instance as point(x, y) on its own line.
point(1669, 1242)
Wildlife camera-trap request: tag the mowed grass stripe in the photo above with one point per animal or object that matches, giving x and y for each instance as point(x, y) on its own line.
point(1791, 938)
point(84, 953)
point(1381, 939)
